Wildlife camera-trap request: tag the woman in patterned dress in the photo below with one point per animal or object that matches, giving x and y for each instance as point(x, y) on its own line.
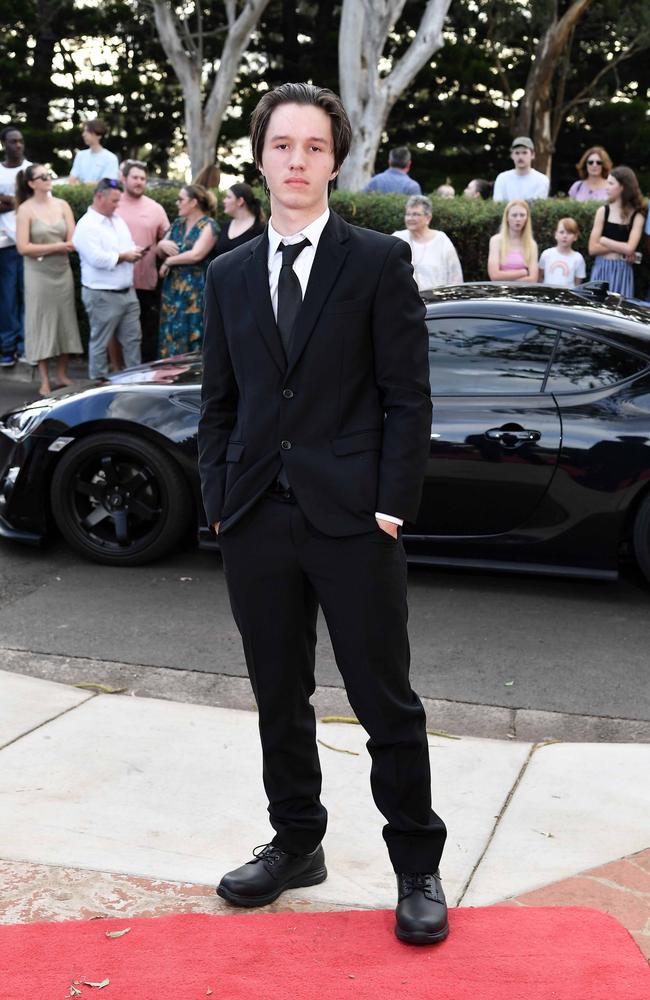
point(186, 249)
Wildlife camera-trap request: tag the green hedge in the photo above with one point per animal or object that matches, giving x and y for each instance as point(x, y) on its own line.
point(469, 223)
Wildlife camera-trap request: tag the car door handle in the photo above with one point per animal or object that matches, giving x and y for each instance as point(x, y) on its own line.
point(510, 437)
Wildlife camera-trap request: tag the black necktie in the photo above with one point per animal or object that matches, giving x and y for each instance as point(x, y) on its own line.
point(289, 291)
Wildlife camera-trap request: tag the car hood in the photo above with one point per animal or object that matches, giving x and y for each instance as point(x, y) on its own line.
point(183, 369)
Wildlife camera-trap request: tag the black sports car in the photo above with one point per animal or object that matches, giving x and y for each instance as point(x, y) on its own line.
point(540, 443)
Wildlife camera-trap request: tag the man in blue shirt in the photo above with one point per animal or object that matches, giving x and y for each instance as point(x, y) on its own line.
point(93, 164)
point(395, 179)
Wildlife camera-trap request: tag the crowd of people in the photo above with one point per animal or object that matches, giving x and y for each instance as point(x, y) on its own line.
point(513, 254)
point(143, 276)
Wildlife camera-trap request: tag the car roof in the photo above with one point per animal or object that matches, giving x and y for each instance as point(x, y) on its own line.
point(621, 319)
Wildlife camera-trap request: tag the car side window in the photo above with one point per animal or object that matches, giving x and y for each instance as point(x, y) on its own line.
point(475, 355)
point(581, 363)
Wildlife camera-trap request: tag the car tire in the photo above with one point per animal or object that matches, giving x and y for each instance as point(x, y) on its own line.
point(641, 537)
point(119, 500)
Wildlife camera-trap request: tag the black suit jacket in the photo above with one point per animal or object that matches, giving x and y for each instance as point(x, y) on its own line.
point(348, 413)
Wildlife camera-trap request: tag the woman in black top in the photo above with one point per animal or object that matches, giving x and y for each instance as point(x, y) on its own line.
point(247, 218)
point(617, 230)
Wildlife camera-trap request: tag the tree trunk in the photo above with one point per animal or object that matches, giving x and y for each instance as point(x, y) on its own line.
point(369, 97)
point(203, 120)
point(42, 90)
point(535, 110)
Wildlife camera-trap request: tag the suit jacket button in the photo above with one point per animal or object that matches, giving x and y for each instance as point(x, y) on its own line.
point(287, 393)
point(285, 445)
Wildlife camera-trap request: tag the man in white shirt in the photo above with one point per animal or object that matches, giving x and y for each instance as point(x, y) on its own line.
point(107, 254)
point(523, 181)
point(11, 263)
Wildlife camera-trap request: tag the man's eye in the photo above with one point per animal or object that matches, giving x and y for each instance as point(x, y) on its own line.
point(281, 145)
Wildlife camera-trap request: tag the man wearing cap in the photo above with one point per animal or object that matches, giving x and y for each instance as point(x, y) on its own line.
point(107, 254)
point(524, 181)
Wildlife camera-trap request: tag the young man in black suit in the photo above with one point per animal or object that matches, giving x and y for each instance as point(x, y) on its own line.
point(313, 441)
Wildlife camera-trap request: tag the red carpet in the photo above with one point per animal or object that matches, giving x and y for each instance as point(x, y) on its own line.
point(506, 953)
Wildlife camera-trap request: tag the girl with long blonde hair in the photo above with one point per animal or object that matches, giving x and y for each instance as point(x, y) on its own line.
point(513, 251)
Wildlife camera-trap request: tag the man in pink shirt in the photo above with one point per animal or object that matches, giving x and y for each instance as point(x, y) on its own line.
point(148, 223)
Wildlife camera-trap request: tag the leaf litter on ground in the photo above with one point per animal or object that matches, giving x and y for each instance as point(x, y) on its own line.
point(351, 720)
point(101, 688)
point(353, 753)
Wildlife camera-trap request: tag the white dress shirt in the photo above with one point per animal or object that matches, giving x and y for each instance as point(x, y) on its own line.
point(302, 267)
point(99, 240)
point(8, 219)
point(304, 261)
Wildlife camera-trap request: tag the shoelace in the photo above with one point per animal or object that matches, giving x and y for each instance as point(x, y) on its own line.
point(416, 880)
point(268, 854)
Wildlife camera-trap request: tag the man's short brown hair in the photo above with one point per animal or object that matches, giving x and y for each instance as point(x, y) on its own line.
point(97, 125)
point(302, 93)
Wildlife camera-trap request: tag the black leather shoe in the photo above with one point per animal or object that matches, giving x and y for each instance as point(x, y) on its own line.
point(421, 909)
point(271, 871)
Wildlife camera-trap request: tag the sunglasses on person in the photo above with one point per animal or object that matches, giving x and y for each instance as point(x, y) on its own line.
point(43, 177)
point(594, 163)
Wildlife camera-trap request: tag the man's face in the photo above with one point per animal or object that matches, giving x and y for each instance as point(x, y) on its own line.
point(523, 157)
point(107, 201)
point(298, 156)
point(14, 145)
point(135, 182)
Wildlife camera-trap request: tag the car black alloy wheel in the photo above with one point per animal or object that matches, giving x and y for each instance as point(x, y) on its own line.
point(120, 500)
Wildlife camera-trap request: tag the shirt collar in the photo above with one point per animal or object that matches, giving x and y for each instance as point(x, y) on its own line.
point(99, 217)
point(313, 233)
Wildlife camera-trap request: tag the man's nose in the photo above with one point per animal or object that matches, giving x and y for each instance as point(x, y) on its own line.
point(297, 159)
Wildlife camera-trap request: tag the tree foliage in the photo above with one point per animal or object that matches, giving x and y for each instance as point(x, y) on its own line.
point(61, 61)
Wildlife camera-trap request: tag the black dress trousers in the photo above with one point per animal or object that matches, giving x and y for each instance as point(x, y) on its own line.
point(279, 569)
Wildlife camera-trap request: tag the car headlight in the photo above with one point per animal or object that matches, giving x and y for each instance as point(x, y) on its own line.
point(21, 423)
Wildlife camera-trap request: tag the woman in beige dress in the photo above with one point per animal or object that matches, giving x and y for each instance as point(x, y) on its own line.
point(44, 228)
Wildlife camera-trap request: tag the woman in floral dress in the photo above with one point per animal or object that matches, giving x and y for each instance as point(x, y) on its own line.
point(186, 249)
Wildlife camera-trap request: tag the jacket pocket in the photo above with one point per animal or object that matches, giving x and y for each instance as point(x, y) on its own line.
point(347, 306)
point(360, 441)
point(234, 451)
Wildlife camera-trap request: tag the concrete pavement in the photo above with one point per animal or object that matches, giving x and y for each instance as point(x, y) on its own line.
point(123, 805)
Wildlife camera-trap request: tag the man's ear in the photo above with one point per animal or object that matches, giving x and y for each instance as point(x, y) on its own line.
point(334, 173)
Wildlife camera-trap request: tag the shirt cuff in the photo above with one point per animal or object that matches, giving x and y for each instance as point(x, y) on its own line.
point(389, 517)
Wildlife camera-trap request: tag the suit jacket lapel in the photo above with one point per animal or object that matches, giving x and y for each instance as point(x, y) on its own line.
point(256, 272)
point(330, 256)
